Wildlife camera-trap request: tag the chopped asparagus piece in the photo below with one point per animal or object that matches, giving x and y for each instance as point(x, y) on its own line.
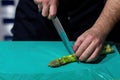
point(63, 60)
point(107, 49)
point(72, 58)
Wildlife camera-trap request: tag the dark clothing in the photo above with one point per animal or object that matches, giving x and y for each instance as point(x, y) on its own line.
point(31, 26)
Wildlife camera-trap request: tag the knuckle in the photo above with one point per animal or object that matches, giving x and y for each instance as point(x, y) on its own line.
point(79, 39)
point(45, 1)
point(97, 41)
point(91, 36)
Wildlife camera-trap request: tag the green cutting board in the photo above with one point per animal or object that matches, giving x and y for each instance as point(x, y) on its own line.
point(29, 61)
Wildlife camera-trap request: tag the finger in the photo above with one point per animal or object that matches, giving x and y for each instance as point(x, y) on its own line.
point(77, 43)
point(45, 9)
point(89, 51)
point(52, 12)
point(95, 54)
point(37, 1)
point(83, 46)
point(40, 7)
point(53, 9)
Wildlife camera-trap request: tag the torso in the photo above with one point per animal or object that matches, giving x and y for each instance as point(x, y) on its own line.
point(83, 13)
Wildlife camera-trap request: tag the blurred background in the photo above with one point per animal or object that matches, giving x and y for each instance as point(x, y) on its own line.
point(7, 13)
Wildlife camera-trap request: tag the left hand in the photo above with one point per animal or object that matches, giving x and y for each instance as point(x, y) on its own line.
point(89, 44)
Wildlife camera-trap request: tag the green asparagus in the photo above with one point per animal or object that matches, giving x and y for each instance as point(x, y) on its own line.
point(72, 58)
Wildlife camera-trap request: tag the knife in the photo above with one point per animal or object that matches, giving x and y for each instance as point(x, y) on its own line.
point(62, 35)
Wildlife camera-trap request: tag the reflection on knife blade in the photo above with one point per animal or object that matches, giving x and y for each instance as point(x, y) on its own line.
point(62, 35)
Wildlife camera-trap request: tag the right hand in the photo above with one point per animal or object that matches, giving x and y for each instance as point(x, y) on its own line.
point(48, 8)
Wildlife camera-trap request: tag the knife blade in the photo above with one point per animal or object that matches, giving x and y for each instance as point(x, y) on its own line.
point(62, 35)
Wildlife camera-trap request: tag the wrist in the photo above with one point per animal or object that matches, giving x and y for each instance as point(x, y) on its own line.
point(102, 30)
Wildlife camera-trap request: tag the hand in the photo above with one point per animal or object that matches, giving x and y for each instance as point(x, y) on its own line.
point(89, 44)
point(47, 7)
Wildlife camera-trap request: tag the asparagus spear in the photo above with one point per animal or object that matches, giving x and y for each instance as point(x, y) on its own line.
point(63, 60)
point(72, 58)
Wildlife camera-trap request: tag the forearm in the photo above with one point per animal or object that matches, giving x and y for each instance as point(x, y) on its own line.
point(109, 16)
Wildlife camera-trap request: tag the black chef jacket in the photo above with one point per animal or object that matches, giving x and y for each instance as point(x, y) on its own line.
point(76, 16)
